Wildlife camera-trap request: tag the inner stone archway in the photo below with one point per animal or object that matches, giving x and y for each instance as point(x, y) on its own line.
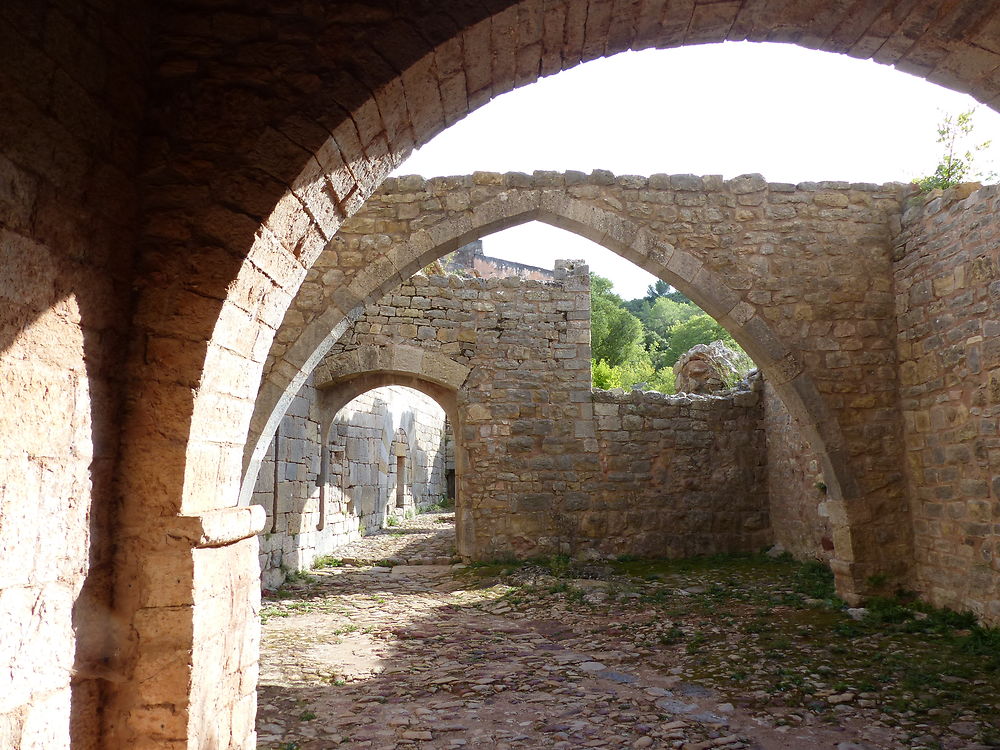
point(336, 470)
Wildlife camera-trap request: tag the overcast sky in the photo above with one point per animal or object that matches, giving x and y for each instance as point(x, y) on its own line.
point(789, 113)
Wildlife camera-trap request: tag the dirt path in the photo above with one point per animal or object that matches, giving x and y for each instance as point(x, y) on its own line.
point(438, 656)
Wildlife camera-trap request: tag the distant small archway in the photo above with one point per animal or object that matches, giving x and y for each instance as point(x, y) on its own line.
point(430, 373)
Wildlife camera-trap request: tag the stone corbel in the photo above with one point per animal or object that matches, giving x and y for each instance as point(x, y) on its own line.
point(218, 528)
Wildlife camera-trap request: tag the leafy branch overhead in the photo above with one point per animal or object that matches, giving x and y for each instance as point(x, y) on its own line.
point(958, 159)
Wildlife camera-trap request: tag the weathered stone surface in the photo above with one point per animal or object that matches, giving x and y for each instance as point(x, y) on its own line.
point(246, 170)
point(796, 488)
point(705, 368)
point(654, 655)
point(945, 274)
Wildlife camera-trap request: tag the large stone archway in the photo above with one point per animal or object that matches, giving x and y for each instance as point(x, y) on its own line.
point(798, 274)
point(250, 136)
point(452, 65)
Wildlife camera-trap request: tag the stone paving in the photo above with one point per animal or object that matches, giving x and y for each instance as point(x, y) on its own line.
point(426, 539)
point(436, 656)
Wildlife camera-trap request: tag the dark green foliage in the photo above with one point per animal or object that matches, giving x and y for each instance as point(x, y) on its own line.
point(616, 334)
point(698, 329)
point(638, 342)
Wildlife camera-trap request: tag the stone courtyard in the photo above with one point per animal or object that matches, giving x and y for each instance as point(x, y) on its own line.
point(373, 651)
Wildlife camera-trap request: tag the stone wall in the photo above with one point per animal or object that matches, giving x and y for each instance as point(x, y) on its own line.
point(318, 508)
point(676, 476)
point(796, 487)
point(72, 99)
point(549, 465)
point(947, 275)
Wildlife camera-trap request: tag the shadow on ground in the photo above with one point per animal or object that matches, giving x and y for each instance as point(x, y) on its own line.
point(732, 652)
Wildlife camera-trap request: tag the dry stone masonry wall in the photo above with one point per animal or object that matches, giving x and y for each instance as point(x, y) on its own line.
point(677, 475)
point(548, 466)
point(72, 97)
point(796, 486)
point(947, 275)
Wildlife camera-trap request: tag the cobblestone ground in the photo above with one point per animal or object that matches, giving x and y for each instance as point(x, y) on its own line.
point(427, 539)
point(710, 654)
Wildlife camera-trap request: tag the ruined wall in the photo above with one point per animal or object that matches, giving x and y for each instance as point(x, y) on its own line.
point(948, 307)
point(676, 475)
point(799, 274)
point(799, 515)
point(550, 466)
point(314, 513)
point(469, 260)
point(71, 100)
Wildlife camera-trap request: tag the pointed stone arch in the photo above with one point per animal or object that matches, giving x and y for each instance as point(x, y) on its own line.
point(623, 230)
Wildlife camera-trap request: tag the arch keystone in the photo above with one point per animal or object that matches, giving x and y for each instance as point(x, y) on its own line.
point(407, 359)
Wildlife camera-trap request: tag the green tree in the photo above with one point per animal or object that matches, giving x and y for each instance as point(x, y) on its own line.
point(957, 164)
point(662, 380)
point(657, 290)
point(616, 335)
point(637, 342)
point(604, 376)
point(679, 297)
point(665, 313)
point(698, 329)
point(628, 374)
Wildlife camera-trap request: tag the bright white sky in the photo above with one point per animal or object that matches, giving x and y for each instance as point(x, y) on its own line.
point(789, 113)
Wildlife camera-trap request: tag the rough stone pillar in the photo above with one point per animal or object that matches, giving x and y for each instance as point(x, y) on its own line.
point(189, 661)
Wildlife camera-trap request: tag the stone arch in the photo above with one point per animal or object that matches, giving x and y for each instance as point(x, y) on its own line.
point(636, 243)
point(428, 372)
point(217, 276)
